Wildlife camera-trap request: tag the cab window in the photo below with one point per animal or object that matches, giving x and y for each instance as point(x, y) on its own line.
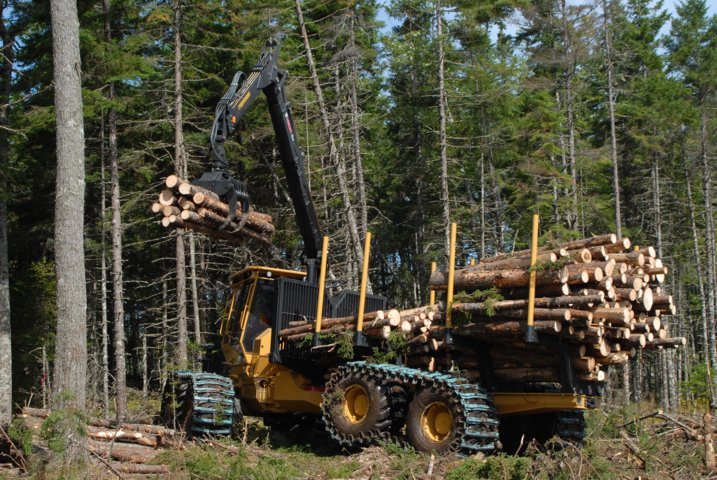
point(261, 312)
point(239, 302)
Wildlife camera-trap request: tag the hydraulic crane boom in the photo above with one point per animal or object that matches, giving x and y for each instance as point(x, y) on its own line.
point(241, 95)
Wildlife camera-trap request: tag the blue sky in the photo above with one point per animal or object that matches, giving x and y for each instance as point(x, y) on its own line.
point(711, 4)
point(668, 4)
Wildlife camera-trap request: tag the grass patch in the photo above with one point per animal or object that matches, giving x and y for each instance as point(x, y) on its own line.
point(499, 467)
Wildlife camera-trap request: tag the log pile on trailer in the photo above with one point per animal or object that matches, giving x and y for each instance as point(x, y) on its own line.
point(598, 297)
point(183, 205)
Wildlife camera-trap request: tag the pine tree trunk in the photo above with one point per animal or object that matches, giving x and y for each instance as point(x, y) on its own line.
point(356, 127)
point(333, 151)
point(445, 201)
point(611, 110)
point(570, 114)
point(165, 335)
point(498, 207)
point(71, 340)
point(5, 332)
point(180, 164)
point(709, 235)
point(195, 292)
point(45, 379)
point(666, 360)
point(103, 288)
point(664, 390)
point(636, 370)
point(117, 282)
point(626, 382)
point(709, 352)
point(145, 376)
point(482, 204)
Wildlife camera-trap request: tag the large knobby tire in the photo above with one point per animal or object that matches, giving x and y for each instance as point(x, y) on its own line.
point(431, 422)
point(356, 410)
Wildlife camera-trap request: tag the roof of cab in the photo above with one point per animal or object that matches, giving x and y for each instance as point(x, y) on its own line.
point(279, 272)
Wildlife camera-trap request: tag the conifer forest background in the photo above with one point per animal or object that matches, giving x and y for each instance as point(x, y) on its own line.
point(600, 115)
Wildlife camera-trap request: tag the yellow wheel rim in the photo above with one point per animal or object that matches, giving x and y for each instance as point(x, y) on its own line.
point(437, 422)
point(355, 403)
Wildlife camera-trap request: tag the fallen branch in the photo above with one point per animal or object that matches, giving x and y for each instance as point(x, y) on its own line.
point(106, 463)
point(21, 464)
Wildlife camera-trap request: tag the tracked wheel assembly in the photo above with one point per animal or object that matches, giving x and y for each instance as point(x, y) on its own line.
point(367, 403)
point(200, 403)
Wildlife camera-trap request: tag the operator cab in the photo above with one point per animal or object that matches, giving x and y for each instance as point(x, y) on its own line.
point(264, 301)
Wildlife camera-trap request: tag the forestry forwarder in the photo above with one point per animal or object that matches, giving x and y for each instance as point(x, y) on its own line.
point(360, 403)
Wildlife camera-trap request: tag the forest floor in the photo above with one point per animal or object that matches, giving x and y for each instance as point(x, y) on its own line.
point(620, 444)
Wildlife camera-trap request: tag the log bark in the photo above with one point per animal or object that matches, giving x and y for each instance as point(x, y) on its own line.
point(102, 423)
point(540, 291)
point(210, 226)
point(543, 302)
point(666, 343)
point(371, 320)
point(635, 259)
point(120, 435)
point(621, 245)
point(517, 262)
point(140, 469)
point(471, 278)
point(509, 328)
point(208, 200)
point(122, 452)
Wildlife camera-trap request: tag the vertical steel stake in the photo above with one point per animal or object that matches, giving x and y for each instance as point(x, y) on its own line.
point(322, 284)
point(530, 335)
point(449, 293)
point(359, 338)
point(432, 292)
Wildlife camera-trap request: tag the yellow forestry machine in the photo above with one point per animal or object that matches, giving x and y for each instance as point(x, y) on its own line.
point(360, 402)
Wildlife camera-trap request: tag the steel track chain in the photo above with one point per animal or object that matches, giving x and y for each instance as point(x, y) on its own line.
point(212, 402)
point(477, 425)
point(570, 426)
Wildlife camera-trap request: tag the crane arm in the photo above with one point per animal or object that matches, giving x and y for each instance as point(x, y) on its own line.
point(241, 95)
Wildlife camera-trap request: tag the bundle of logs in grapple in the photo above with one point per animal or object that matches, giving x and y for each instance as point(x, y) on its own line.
point(184, 205)
point(599, 297)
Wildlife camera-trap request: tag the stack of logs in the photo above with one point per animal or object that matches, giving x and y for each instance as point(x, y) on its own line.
point(184, 205)
point(597, 295)
point(600, 297)
point(127, 448)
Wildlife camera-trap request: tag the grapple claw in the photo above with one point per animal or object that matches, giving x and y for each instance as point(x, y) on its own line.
point(229, 189)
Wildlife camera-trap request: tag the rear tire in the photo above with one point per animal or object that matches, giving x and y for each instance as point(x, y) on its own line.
point(431, 422)
point(356, 410)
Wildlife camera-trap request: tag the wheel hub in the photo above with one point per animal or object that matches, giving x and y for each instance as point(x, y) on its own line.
point(437, 422)
point(355, 404)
